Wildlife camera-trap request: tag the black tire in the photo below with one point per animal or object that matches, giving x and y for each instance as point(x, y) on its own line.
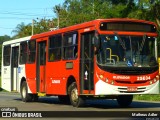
point(64, 99)
point(75, 99)
point(26, 97)
point(124, 100)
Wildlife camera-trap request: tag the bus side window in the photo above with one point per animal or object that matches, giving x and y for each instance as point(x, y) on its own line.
point(70, 45)
point(6, 55)
point(31, 51)
point(55, 43)
point(23, 52)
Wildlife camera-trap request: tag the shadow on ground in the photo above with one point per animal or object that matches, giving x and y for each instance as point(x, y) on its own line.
point(1, 89)
point(103, 104)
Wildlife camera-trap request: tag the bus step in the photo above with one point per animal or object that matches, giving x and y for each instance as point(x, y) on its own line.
point(41, 94)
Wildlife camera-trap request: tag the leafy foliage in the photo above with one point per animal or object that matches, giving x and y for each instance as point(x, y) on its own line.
point(4, 38)
point(78, 11)
point(40, 26)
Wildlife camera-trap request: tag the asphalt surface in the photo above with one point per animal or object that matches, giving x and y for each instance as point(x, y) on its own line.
point(92, 107)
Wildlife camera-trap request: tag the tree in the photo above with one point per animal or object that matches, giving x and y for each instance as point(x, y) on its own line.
point(22, 30)
point(40, 26)
point(155, 10)
point(147, 10)
point(4, 38)
point(78, 11)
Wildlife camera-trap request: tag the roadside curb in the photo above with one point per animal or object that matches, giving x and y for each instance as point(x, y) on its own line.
point(16, 93)
point(146, 101)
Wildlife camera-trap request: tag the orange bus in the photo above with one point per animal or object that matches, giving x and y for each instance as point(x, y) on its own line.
point(103, 58)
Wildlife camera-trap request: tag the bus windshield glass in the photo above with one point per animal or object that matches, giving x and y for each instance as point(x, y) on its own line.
point(127, 51)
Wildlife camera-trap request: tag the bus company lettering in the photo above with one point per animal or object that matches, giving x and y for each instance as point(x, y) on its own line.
point(87, 29)
point(56, 81)
point(121, 77)
point(140, 78)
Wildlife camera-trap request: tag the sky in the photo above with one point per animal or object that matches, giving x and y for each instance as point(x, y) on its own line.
point(14, 12)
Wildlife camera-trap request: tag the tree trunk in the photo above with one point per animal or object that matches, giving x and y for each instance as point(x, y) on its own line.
point(158, 22)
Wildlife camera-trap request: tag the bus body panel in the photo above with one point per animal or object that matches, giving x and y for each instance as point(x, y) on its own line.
point(31, 77)
point(57, 76)
point(103, 88)
point(5, 80)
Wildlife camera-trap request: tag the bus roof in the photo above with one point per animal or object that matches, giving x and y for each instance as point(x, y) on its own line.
point(89, 24)
point(17, 40)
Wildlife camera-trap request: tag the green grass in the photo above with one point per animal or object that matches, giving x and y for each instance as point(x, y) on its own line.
point(147, 97)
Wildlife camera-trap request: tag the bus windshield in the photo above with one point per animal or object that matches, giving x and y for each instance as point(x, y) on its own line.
point(127, 51)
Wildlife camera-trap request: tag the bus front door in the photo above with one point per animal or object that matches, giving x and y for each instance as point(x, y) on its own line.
point(14, 68)
point(41, 66)
point(87, 62)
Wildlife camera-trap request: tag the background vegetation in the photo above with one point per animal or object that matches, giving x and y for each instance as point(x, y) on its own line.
point(72, 12)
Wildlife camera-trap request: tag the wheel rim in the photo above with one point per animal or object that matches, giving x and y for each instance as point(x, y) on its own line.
point(74, 95)
point(24, 92)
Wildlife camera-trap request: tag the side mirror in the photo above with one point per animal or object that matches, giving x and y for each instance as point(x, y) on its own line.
point(97, 42)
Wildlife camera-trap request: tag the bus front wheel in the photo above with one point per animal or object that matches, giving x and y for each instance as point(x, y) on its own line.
point(75, 99)
point(124, 100)
point(26, 97)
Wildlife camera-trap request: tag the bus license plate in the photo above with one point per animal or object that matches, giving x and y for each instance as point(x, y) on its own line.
point(132, 89)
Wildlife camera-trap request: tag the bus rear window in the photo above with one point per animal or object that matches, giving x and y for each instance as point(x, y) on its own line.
point(6, 55)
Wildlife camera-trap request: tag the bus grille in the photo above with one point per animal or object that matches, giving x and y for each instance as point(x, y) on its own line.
point(129, 82)
point(124, 90)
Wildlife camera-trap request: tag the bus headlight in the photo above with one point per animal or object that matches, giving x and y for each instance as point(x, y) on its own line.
point(107, 80)
point(157, 77)
point(150, 82)
point(112, 82)
point(101, 77)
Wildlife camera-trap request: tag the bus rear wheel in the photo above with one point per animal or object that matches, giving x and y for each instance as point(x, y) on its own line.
point(75, 99)
point(124, 100)
point(26, 97)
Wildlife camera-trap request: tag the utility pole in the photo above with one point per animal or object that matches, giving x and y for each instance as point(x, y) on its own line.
point(57, 10)
point(32, 26)
point(58, 21)
point(93, 7)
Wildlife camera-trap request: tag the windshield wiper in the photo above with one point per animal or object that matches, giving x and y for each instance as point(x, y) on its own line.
point(142, 44)
point(121, 41)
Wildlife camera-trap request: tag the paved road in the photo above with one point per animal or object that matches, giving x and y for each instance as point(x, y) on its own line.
point(52, 104)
